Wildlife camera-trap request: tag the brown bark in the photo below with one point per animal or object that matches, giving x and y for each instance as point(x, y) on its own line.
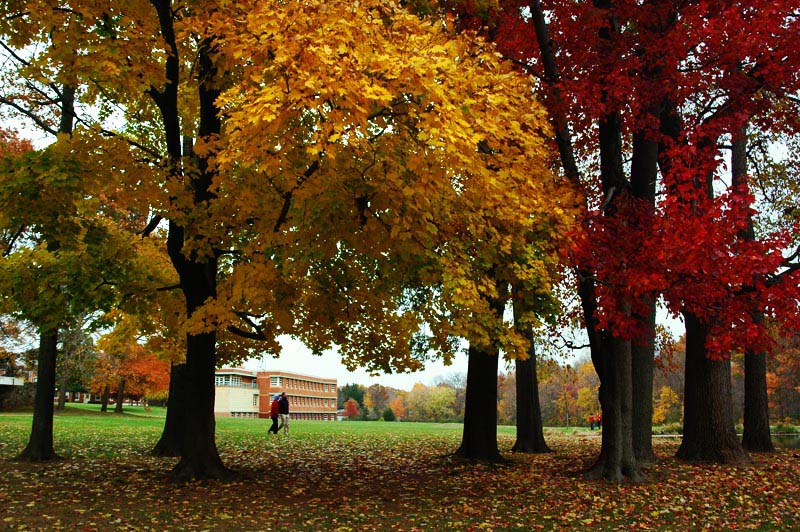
point(644, 171)
point(120, 396)
point(198, 279)
point(708, 431)
point(479, 439)
point(40, 444)
point(104, 398)
point(617, 461)
point(175, 423)
point(530, 431)
point(756, 436)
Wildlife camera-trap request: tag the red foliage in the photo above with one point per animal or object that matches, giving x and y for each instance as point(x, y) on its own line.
point(718, 65)
point(351, 408)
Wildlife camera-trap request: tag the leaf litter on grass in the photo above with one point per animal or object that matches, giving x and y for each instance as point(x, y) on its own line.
point(327, 478)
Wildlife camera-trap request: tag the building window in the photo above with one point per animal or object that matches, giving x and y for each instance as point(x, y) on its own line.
point(274, 381)
point(255, 399)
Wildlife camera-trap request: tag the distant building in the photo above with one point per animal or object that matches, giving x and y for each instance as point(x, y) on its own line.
point(245, 393)
point(237, 393)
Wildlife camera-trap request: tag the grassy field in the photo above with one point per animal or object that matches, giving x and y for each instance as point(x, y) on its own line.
point(369, 476)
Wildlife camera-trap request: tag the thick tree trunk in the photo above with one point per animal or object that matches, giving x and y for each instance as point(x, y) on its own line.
point(175, 424)
point(613, 360)
point(617, 460)
point(479, 440)
point(198, 278)
point(708, 431)
point(199, 455)
point(104, 398)
point(530, 431)
point(120, 396)
point(642, 359)
point(40, 445)
point(644, 172)
point(756, 436)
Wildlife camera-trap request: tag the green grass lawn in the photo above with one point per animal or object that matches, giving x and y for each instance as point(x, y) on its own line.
point(369, 476)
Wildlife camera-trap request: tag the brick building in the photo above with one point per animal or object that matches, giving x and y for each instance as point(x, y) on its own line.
point(245, 393)
point(236, 393)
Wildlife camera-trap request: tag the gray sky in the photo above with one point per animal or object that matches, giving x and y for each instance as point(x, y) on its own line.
point(298, 358)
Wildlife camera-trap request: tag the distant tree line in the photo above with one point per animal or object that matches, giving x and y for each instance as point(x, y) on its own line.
point(568, 392)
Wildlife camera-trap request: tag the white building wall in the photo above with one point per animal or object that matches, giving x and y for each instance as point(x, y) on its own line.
point(231, 400)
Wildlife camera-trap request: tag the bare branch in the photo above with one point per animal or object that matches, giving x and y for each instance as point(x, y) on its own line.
point(152, 225)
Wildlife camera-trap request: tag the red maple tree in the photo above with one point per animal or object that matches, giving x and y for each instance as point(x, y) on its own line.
point(650, 92)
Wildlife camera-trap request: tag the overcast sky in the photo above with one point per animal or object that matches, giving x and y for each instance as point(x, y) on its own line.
point(297, 358)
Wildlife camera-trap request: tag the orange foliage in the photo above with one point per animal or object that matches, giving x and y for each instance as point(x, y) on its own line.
point(398, 407)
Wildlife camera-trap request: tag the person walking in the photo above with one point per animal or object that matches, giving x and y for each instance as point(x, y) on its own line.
point(274, 410)
point(283, 408)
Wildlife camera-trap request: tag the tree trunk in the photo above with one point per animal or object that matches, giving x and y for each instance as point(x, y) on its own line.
point(199, 456)
point(175, 424)
point(756, 436)
point(644, 172)
point(40, 445)
point(613, 359)
point(198, 278)
point(479, 440)
point(530, 432)
point(616, 456)
point(642, 358)
point(104, 398)
point(617, 460)
point(708, 431)
point(120, 397)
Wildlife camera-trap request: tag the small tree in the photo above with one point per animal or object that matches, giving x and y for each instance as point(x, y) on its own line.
point(667, 407)
point(388, 414)
point(398, 407)
point(351, 409)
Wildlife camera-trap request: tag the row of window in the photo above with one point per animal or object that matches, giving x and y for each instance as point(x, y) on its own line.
point(314, 415)
point(244, 414)
point(305, 401)
point(276, 381)
point(312, 401)
point(233, 380)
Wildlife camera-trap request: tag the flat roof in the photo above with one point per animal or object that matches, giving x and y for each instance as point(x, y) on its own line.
point(235, 371)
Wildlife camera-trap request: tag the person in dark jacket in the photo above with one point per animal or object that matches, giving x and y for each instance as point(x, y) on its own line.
point(283, 408)
point(273, 414)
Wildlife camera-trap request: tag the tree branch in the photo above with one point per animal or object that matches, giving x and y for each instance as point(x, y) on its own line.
point(287, 196)
point(256, 334)
point(152, 225)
